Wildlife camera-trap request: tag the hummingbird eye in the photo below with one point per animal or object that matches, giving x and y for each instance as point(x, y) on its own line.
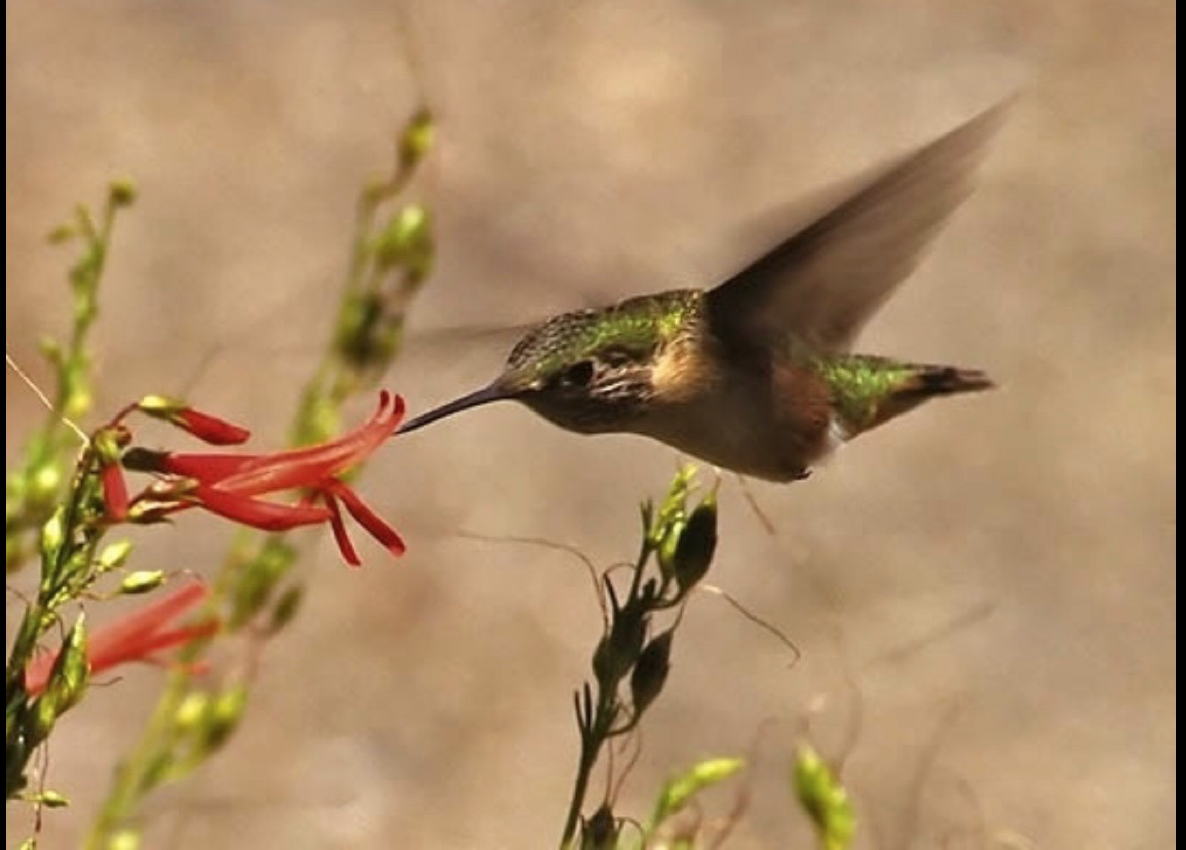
point(579, 374)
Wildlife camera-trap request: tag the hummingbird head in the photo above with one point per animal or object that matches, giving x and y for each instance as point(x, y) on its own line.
point(589, 371)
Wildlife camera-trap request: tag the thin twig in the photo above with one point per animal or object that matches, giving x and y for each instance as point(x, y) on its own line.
point(756, 620)
point(43, 398)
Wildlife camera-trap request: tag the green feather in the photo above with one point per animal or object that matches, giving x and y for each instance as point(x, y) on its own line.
point(860, 384)
point(635, 328)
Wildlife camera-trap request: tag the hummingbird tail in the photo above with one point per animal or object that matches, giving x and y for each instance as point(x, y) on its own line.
point(870, 391)
point(946, 380)
point(925, 382)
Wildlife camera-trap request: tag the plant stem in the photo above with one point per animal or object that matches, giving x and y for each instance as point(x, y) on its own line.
point(591, 743)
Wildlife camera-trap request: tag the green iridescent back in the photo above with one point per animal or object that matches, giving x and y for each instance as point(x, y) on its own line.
point(633, 328)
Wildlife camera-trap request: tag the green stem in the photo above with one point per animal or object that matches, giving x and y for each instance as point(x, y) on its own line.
point(601, 725)
point(591, 743)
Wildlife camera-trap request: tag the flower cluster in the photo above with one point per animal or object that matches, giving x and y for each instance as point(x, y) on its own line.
point(234, 485)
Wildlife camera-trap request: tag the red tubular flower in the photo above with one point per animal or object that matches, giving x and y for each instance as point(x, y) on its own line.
point(115, 491)
point(137, 637)
point(231, 485)
point(207, 428)
point(210, 429)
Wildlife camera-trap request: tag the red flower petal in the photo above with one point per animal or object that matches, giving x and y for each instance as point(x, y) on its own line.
point(349, 553)
point(210, 429)
point(133, 637)
point(207, 468)
point(309, 466)
point(257, 513)
point(146, 620)
point(375, 525)
point(115, 492)
point(146, 644)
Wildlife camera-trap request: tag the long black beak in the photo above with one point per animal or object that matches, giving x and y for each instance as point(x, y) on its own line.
point(494, 392)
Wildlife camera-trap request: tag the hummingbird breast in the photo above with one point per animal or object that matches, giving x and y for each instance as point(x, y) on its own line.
point(757, 414)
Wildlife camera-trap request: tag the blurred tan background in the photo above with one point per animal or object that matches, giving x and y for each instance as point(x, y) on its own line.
point(983, 590)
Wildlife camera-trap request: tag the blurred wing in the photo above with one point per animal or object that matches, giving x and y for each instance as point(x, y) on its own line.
point(824, 283)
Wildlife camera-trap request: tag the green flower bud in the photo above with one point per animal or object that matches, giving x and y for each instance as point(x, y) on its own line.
point(697, 545)
point(650, 673)
point(53, 535)
point(600, 832)
point(122, 193)
point(825, 800)
point(406, 240)
point(192, 710)
point(67, 681)
point(679, 791)
point(125, 839)
point(110, 442)
point(52, 800)
point(223, 716)
point(62, 233)
point(668, 544)
point(286, 607)
point(141, 581)
point(114, 555)
point(44, 482)
point(619, 649)
point(416, 140)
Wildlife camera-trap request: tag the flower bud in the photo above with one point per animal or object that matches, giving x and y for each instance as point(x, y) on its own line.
point(114, 555)
point(406, 240)
point(824, 798)
point(207, 428)
point(667, 545)
point(601, 830)
point(62, 233)
point(697, 545)
point(141, 581)
point(43, 482)
point(416, 140)
point(125, 839)
point(650, 673)
point(619, 649)
point(121, 193)
point(191, 711)
point(680, 790)
point(286, 607)
point(67, 679)
point(52, 800)
point(53, 535)
point(109, 443)
point(115, 492)
point(223, 716)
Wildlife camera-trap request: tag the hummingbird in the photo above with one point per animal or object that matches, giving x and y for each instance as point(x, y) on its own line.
point(757, 375)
